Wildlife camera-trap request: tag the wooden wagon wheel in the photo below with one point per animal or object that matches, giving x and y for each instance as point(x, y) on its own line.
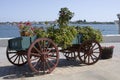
point(89, 52)
point(70, 55)
point(71, 52)
point(17, 58)
point(44, 55)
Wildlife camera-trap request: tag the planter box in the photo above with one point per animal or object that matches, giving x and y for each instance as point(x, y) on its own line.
point(107, 53)
point(20, 43)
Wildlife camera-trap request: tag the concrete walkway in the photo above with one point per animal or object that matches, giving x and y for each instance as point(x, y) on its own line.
point(108, 69)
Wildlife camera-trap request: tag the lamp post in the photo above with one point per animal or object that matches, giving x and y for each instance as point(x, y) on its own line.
point(118, 15)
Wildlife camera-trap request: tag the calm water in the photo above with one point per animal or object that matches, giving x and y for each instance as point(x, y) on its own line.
point(8, 31)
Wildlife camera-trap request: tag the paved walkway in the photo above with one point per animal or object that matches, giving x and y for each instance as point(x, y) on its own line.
point(66, 70)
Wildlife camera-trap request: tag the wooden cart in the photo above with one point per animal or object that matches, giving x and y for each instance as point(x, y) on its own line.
point(42, 54)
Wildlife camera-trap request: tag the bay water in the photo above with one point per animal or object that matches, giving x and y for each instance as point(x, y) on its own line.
point(10, 31)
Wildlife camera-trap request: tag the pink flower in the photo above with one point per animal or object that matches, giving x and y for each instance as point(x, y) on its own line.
point(103, 47)
point(27, 23)
point(20, 25)
point(111, 46)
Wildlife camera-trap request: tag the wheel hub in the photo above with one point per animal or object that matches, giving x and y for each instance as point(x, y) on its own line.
point(43, 57)
point(90, 52)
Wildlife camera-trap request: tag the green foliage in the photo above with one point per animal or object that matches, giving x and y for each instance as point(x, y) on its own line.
point(62, 36)
point(88, 33)
point(65, 15)
point(40, 32)
point(65, 34)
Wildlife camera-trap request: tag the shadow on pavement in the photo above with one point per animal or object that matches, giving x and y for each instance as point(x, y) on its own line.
point(14, 72)
point(68, 63)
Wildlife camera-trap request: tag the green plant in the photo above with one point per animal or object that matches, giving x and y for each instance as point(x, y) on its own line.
point(65, 15)
point(40, 32)
point(62, 36)
point(65, 34)
point(89, 33)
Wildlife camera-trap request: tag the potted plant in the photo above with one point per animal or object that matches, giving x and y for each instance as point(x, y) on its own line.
point(107, 52)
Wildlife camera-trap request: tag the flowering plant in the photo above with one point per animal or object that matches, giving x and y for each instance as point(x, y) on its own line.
point(26, 29)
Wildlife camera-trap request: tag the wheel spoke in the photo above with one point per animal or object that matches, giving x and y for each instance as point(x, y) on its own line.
point(48, 65)
point(40, 66)
point(49, 50)
point(53, 58)
point(36, 63)
point(88, 59)
point(44, 67)
point(82, 56)
point(43, 44)
point(22, 59)
point(45, 49)
point(37, 49)
point(92, 58)
point(34, 59)
point(12, 52)
point(96, 48)
point(18, 59)
point(25, 57)
point(93, 46)
point(96, 52)
point(85, 57)
point(35, 54)
point(13, 56)
point(51, 62)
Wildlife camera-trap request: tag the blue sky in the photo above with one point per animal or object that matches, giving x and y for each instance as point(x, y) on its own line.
point(47, 10)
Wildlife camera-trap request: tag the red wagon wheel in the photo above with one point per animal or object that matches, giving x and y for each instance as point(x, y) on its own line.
point(17, 58)
point(43, 55)
point(89, 52)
